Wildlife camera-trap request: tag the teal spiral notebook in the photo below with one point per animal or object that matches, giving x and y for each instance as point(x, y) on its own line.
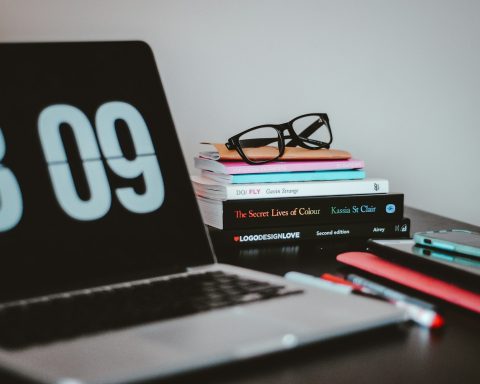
point(279, 177)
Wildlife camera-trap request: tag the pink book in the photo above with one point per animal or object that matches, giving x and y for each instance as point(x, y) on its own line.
point(240, 167)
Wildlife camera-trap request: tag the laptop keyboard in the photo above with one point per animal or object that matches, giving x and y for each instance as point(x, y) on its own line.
point(91, 311)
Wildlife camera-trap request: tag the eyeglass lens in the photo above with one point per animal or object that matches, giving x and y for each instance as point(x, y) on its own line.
point(260, 137)
point(311, 127)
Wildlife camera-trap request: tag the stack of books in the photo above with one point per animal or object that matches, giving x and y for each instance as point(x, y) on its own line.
point(295, 200)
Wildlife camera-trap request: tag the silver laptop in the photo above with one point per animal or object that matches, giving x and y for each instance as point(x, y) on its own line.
point(107, 274)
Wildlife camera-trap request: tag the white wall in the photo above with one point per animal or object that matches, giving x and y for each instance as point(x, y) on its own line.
point(399, 79)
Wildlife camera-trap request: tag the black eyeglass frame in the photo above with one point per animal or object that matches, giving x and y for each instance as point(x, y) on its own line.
point(300, 140)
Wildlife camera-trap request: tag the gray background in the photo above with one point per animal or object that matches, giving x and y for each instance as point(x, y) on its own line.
point(399, 79)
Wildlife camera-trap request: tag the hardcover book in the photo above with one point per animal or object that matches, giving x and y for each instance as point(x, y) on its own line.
point(235, 214)
point(240, 167)
point(238, 237)
point(219, 191)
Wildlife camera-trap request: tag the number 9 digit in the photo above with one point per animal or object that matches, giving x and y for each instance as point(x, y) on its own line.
point(145, 164)
point(11, 205)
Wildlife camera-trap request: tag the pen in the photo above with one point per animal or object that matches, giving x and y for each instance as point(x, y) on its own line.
point(342, 281)
point(303, 278)
point(420, 311)
point(388, 293)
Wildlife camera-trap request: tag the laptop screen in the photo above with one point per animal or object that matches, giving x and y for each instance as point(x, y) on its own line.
point(93, 184)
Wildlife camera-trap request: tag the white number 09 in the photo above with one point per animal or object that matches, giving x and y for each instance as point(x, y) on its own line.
point(11, 205)
point(145, 163)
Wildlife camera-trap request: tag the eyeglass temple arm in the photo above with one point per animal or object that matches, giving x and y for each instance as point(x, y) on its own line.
point(247, 143)
point(293, 142)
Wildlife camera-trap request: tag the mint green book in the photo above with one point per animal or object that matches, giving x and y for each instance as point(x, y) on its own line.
point(279, 177)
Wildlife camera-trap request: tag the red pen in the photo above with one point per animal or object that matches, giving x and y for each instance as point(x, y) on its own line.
point(342, 281)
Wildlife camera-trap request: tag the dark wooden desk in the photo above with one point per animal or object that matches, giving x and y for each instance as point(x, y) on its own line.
point(406, 355)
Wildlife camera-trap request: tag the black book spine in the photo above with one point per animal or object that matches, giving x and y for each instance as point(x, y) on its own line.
point(312, 210)
point(346, 231)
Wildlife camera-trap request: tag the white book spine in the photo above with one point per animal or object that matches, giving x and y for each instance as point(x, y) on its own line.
point(301, 189)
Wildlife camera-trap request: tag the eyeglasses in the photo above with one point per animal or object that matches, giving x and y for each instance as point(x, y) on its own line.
point(310, 131)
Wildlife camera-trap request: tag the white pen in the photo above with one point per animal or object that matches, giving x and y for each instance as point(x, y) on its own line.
point(302, 278)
